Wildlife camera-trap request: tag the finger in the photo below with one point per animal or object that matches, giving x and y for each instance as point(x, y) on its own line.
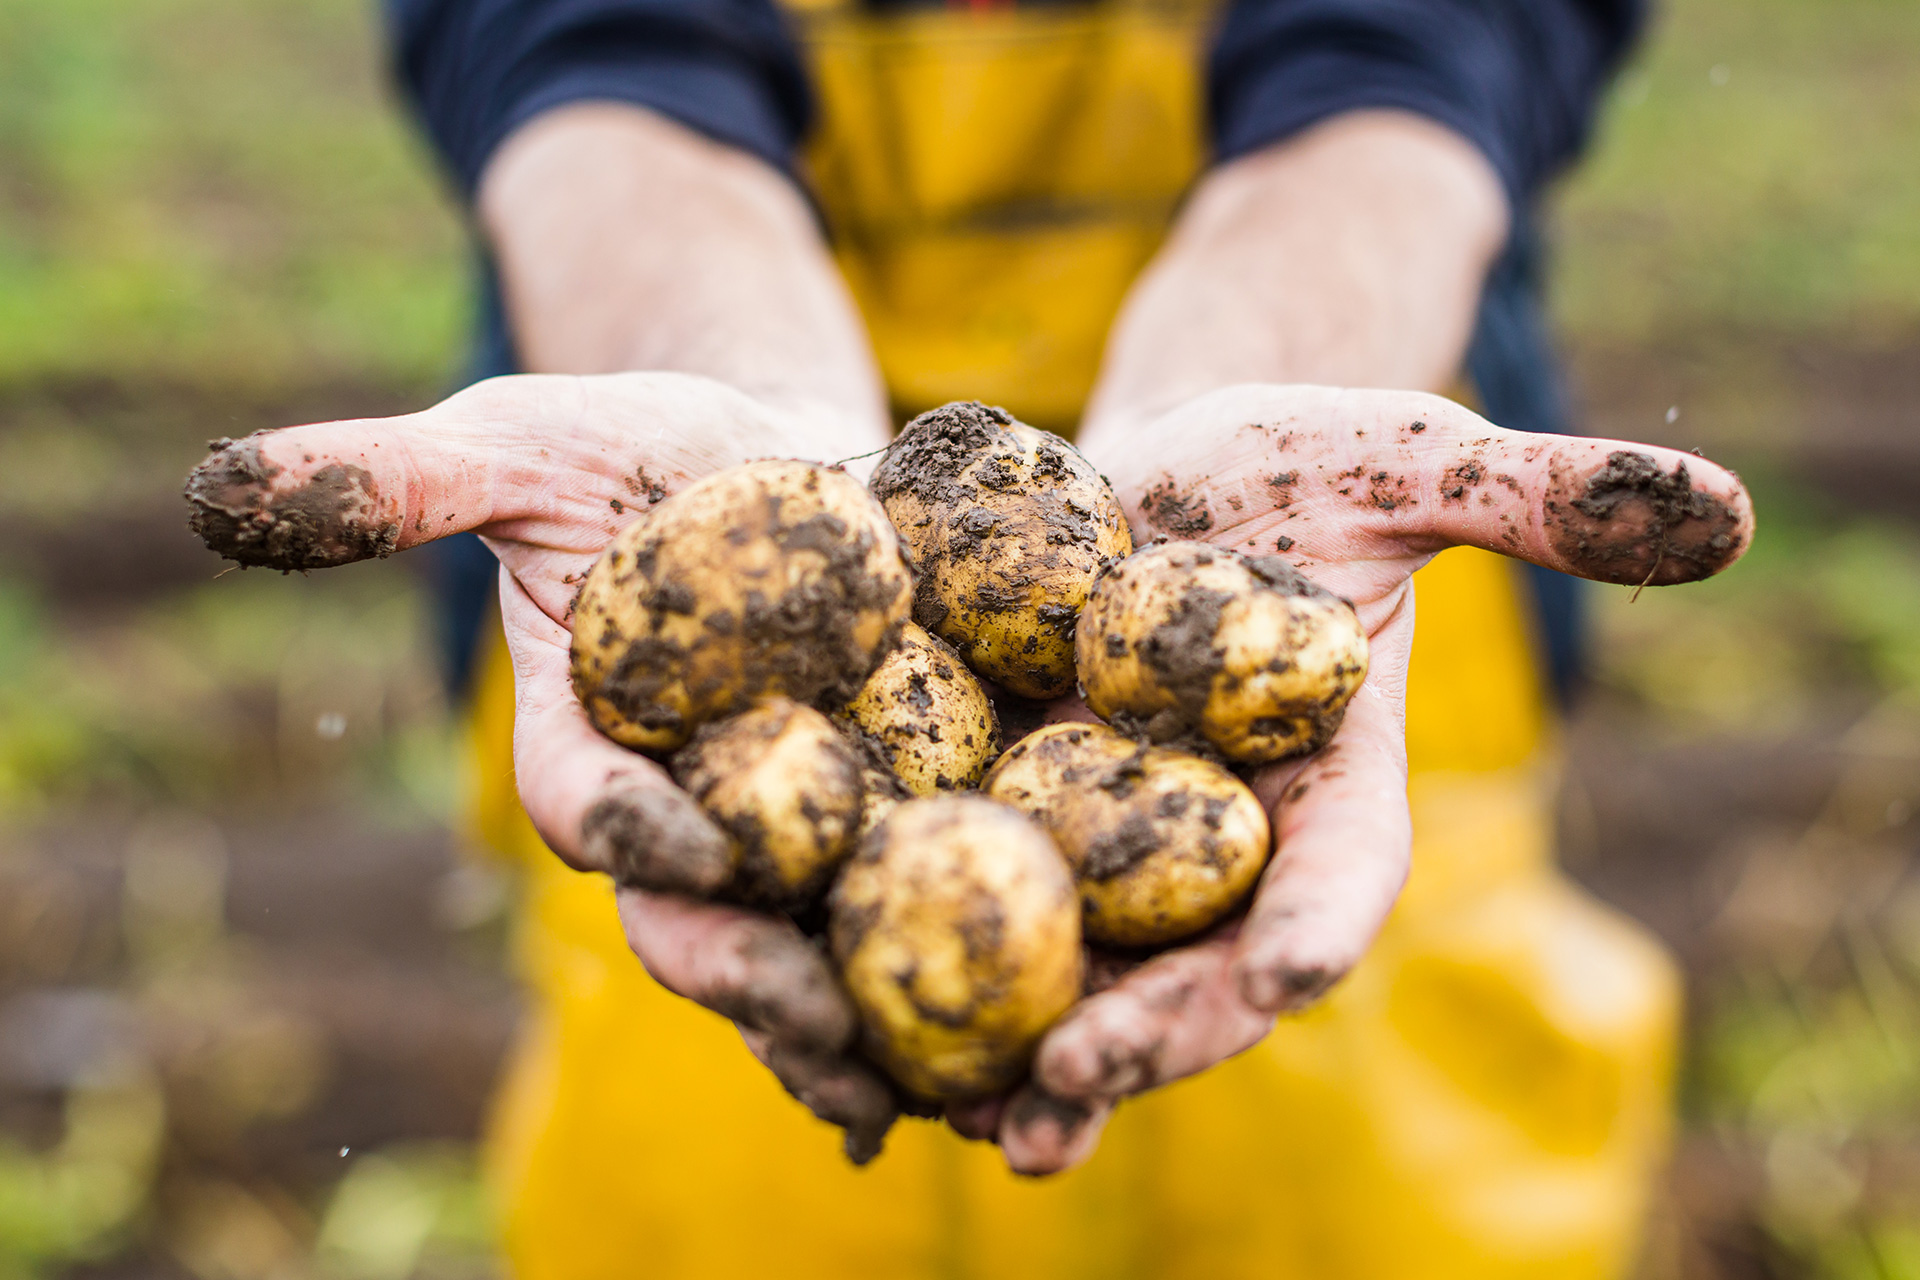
point(756, 969)
point(838, 1089)
point(1041, 1134)
point(596, 804)
point(1336, 477)
point(545, 459)
point(331, 493)
point(1178, 1013)
point(977, 1120)
point(1343, 840)
point(1608, 510)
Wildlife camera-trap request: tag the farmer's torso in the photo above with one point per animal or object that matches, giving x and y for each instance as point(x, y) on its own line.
point(1482, 1098)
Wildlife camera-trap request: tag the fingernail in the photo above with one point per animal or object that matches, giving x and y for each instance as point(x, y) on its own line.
point(656, 837)
point(1047, 1135)
point(841, 1094)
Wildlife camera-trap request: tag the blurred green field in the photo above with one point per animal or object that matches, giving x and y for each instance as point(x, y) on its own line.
point(1754, 174)
point(216, 192)
point(212, 219)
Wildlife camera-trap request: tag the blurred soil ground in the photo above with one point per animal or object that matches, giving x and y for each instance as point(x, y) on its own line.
point(252, 993)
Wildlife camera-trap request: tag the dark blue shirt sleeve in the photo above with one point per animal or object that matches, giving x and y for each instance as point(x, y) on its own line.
point(477, 69)
point(1518, 78)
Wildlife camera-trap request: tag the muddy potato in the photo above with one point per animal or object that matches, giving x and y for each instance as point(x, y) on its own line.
point(927, 716)
point(958, 934)
point(1009, 526)
point(774, 578)
point(1195, 645)
point(783, 783)
point(1162, 844)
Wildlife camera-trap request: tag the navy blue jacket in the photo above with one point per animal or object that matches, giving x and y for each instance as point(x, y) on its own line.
point(1518, 77)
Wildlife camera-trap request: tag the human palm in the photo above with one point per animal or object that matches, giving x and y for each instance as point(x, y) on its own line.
point(1358, 489)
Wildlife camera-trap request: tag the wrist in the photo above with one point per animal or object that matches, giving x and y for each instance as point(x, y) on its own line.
point(626, 242)
point(1350, 255)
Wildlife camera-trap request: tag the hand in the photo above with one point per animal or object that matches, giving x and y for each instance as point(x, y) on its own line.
point(1358, 489)
point(547, 469)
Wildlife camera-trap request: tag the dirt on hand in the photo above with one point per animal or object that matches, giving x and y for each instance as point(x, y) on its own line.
point(329, 520)
point(1629, 522)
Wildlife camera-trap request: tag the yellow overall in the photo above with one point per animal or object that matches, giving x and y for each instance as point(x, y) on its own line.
point(1486, 1096)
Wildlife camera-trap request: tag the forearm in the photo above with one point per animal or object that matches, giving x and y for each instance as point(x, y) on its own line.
point(1351, 255)
point(626, 242)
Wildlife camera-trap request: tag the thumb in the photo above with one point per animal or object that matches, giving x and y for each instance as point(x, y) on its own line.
point(312, 497)
point(549, 460)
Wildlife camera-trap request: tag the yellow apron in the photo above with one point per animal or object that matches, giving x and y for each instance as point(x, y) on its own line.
point(1485, 1097)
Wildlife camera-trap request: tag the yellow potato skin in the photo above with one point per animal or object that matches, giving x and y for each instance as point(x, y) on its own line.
point(773, 578)
point(785, 785)
point(881, 792)
point(927, 716)
point(958, 935)
point(1162, 844)
point(1008, 526)
point(1196, 645)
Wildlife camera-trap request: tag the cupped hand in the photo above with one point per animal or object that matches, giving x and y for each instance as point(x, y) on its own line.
point(1358, 489)
point(547, 469)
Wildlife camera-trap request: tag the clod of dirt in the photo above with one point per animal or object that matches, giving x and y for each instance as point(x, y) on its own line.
point(1183, 515)
point(1631, 523)
point(331, 519)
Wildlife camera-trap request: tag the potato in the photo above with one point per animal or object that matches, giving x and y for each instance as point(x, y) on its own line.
point(926, 716)
point(1009, 526)
point(781, 781)
point(1162, 844)
point(1195, 645)
point(881, 792)
point(774, 578)
point(958, 934)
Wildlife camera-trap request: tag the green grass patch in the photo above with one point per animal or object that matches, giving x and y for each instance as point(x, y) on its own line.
point(1754, 171)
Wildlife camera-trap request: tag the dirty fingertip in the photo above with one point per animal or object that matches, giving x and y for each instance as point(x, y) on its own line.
point(1042, 1134)
point(1274, 981)
point(242, 510)
point(1083, 1063)
point(1632, 519)
point(656, 837)
point(977, 1120)
point(786, 988)
point(842, 1092)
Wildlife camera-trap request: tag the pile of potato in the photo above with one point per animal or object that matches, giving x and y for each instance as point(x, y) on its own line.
point(810, 654)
